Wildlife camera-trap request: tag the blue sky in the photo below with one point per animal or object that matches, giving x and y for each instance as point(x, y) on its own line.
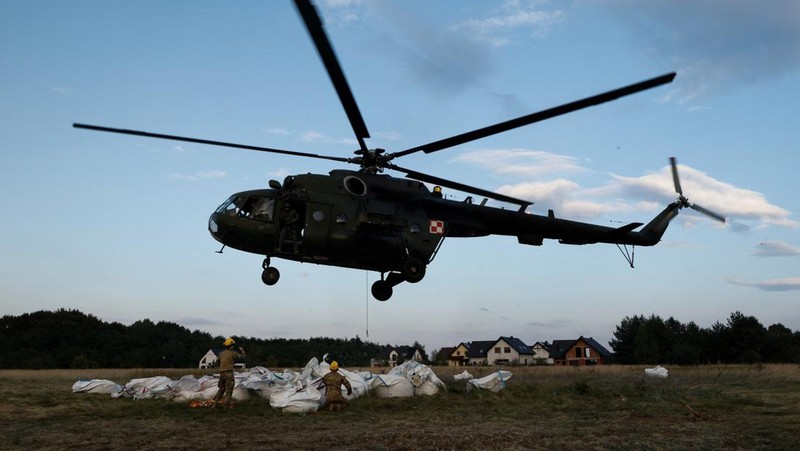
point(116, 225)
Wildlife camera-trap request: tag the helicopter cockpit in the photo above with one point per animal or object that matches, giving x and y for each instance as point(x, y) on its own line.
point(251, 207)
point(247, 221)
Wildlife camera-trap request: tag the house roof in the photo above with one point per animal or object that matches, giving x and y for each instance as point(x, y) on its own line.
point(517, 344)
point(478, 349)
point(559, 347)
point(446, 352)
point(597, 346)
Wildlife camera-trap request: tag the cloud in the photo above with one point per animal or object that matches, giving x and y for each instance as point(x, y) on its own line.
point(776, 249)
point(787, 284)
point(277, 131)
point(61, 89)
point(314, 136)
point(513, 16)
point(715, 43)
point(279, 174)
point(521, 162)
point(702, 189)
point(200, 175)
point(621, 194)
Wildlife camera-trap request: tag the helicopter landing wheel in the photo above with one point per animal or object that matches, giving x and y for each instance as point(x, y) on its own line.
point(270, 275)
point(413, 270)
point(382, 290)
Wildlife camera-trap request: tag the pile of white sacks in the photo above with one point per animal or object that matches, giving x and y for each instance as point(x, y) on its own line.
point(289, 390)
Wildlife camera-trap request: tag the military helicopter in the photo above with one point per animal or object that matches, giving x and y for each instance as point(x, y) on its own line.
point(368, 220)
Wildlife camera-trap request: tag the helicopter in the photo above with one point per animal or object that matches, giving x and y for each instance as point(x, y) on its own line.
point(365, 219)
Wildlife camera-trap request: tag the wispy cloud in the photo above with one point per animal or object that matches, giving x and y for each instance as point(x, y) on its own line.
point(200, 175)
point(279, 174)
point(776, 249)
point(277, 131)
point(787, 284)
point(534, 17)
point(314, 136)
point(61, 89)
point(521, 162)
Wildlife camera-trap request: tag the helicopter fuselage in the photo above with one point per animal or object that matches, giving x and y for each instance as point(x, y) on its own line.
point(379, 223)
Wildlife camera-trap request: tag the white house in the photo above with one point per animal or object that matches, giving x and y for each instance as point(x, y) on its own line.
point(509, 350)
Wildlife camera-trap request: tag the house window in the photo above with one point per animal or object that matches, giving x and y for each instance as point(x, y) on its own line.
point(579, 352)
point(587, 353)
point(497, 350)
point(507, 350)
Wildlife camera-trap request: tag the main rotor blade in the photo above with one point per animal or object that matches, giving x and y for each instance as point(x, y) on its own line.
point(674, 165)
point(207, 141)
point(315, 28)
point(460, 186)
point(707, 212)
point(538, 116)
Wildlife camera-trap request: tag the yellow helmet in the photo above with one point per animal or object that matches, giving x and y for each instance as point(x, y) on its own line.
point(228, 342)
point(334, 365)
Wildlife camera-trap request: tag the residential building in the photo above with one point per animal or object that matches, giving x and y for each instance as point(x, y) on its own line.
point(581, 351)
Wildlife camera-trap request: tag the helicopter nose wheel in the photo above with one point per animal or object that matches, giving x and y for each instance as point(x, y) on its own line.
point(270, 275)
point(413, 270)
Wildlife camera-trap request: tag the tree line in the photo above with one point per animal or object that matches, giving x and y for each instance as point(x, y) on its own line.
point(741, 339)
point(72, 339)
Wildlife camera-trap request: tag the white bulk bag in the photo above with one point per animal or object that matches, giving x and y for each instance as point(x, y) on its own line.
point(102, 386)
point(493, 382)
point(659, 372)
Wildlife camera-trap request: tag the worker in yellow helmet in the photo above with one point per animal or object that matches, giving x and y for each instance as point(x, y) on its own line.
point(227, 359)
point(333, 388)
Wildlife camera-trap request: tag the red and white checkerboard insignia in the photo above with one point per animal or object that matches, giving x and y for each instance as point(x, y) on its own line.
point(437, 227)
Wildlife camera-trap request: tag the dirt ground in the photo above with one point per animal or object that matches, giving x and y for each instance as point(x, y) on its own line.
point(542, 408)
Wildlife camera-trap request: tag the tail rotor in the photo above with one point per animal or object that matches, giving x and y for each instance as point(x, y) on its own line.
point(683, 201)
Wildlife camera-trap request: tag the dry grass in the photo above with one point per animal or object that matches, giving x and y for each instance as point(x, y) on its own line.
point(716, 407)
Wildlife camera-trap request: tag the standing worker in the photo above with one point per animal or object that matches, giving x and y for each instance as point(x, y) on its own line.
point(227, 359)
point(333, 388)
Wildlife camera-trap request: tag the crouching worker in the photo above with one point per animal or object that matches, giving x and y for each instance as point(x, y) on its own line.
point(333, 388)
point(227, 359)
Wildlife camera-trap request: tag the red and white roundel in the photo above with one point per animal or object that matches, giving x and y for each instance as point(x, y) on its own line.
point(436, 227)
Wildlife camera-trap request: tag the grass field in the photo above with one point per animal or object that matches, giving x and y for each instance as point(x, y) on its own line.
point(609, 407)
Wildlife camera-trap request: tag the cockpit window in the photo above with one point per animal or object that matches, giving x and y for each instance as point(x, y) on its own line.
point(253, 207)
point(262, 208)
point(231, 206)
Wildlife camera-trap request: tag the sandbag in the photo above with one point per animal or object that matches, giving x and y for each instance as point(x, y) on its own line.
point(296, 399)
point(493, 382)
point(149, 387)
point(392, 386)
point(658, 372)
point(101, 386)
point(465, 376)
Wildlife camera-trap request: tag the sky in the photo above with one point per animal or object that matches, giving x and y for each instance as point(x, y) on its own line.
point(116, 226)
